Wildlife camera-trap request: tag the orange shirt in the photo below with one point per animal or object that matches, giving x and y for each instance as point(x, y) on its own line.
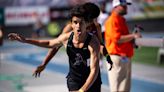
point(116, 26)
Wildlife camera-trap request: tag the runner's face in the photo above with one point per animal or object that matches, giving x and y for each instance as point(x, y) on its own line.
point(123, 9)
point(78, 25)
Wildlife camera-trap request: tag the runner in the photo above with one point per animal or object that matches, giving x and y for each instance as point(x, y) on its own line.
point(83, 50)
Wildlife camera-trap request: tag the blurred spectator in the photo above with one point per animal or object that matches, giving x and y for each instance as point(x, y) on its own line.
point(1, 36)
point(75, 2)
point(102, 17)
point(38, 30)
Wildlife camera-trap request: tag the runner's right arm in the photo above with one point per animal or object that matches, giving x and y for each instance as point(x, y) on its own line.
point(42, 43)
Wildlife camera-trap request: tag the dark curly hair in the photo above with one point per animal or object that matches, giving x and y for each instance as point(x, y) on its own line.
point(78, 11)
point(91, 9)
point(88, 11)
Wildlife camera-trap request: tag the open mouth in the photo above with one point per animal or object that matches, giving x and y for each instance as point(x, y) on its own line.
point(78, 30)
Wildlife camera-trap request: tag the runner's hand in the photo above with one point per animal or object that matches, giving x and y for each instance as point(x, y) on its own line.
point(15, 36)
point(38, 70)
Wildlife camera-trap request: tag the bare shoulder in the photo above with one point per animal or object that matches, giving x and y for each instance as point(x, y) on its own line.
point(60, 40)
point(67, 28)
point(64, 36)
point(94, 43)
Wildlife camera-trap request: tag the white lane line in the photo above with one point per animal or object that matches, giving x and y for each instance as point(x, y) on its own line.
point(46, 88)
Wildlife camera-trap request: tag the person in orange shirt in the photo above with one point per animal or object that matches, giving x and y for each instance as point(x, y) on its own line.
point(119, 45)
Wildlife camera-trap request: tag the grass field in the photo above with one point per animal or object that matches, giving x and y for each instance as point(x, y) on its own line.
point(146, 55)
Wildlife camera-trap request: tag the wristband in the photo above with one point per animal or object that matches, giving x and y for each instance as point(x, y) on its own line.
point(81, 90)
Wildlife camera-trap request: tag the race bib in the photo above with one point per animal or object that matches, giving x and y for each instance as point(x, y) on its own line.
point(88, 62)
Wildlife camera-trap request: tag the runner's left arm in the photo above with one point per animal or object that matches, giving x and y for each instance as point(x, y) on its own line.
point(94, 49)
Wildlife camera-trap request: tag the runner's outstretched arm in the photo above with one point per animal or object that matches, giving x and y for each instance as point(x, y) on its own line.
point(50, 54)
point(41, 43)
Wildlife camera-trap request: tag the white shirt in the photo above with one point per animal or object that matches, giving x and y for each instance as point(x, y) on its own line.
point(101, 19)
